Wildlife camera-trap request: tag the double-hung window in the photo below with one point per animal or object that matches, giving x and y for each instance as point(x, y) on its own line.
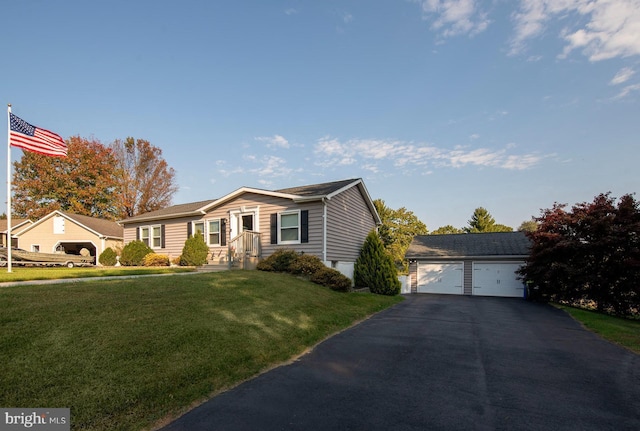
point(289, 223)
point(151, 235)
point(290, 227)
point(214, 232)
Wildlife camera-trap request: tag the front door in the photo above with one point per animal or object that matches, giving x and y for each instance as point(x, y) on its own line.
point(245, 222)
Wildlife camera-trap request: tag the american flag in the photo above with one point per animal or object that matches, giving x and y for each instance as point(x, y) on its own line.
point(34, 139)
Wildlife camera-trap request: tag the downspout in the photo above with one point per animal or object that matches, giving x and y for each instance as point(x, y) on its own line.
point(324, 230)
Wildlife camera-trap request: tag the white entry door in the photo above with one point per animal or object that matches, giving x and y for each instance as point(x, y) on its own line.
point(440, 278)
point(497, 279)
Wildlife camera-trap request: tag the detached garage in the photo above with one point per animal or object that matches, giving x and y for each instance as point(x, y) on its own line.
point(481, 264)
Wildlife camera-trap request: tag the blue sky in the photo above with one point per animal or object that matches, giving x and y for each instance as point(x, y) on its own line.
point(441, 106)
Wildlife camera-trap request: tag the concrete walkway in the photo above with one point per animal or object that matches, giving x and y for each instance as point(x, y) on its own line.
point(438, 362)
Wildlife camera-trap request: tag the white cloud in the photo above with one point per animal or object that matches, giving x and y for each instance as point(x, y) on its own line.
point(291, 11)
point(454, 17)
point(626, 91)
point(622, 76)
point(275, 141)
point(602, 29)
point(369, 152)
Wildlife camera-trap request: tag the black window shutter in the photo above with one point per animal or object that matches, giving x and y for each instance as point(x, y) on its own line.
point(189, 230)
point(274, 228)
point(304, 226)
point(223, 232)
point(138, 233)
point(162, 242)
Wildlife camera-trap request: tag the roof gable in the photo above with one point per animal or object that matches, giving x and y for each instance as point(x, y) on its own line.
point(100, 227)
point(490, 244)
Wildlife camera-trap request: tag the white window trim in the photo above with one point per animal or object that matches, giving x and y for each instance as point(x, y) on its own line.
point(151, 237)
point(280, 214)
point(206, 227)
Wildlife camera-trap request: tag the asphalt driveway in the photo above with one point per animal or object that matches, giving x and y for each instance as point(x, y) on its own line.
point(437, 362)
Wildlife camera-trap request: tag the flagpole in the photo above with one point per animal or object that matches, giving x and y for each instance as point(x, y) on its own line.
point(9, 242)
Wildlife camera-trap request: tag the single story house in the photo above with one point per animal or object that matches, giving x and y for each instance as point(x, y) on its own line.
point(329, 220)
point(481, 264)
point(16, 225)
point(66, 232)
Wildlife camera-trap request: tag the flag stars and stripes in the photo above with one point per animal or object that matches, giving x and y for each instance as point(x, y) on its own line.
point(37, 140)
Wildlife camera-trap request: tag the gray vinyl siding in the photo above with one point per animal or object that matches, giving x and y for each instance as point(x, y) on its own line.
point(349, 221)
point(468, 277)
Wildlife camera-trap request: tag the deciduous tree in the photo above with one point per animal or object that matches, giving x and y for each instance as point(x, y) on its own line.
point(147, 183)
point(85, 182)
point(397, 230)
point(590, 253)
point(447, 230)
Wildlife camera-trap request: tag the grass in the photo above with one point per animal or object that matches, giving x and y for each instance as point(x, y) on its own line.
point(130, 354)
point(52, 273)
point(625, 332)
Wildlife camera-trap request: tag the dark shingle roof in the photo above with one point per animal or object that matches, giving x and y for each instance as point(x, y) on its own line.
point(469, 244)
point(172, 210)
point(104, 227)
point(317, 189)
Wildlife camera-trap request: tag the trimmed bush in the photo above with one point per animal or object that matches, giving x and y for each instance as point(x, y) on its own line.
point(133, 253)
point(375, 268)
point(108, 257)
point(195, 251)
point(306, 264)
point(279, 261)
point(331, 278)
point(154, 259)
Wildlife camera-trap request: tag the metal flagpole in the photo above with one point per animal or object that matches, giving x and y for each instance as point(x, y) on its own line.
point(9, 242)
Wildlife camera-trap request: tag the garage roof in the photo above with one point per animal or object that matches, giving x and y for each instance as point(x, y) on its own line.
point(493, 244)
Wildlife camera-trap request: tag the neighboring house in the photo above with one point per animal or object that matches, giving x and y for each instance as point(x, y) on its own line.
point(69, 233)
point(329, 220)
point(481, 264)
point(16, 225)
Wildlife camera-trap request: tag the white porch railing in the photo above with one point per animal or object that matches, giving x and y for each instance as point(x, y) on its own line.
point(243, 247)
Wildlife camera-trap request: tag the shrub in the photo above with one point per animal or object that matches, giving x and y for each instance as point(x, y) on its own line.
point(154, 259)
point(133, 253)
point(195, 251)
point(108, 257)
point(306, 264)
point(375, 269)
point(331, 278)
point(176, 260)
point(279, 261)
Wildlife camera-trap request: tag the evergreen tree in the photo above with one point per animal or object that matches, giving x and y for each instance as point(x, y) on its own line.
point(375, 268)
point(195, 251)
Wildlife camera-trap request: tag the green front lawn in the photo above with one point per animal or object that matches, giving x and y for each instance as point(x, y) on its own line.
point(625, 332)
point(127, 354)
point(21, 273)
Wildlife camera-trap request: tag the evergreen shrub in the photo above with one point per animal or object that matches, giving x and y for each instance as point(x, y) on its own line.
point(331, 278)
point(108, 257)
point(195, 251)
point(279, 261)
point(306, 264)
point(375, 269)
point(133, 253)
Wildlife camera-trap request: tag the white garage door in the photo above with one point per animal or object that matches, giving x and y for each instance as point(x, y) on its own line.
point(497, 279)
point(440, 278)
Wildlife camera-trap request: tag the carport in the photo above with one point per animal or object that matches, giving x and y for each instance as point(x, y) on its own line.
point(480, 264)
